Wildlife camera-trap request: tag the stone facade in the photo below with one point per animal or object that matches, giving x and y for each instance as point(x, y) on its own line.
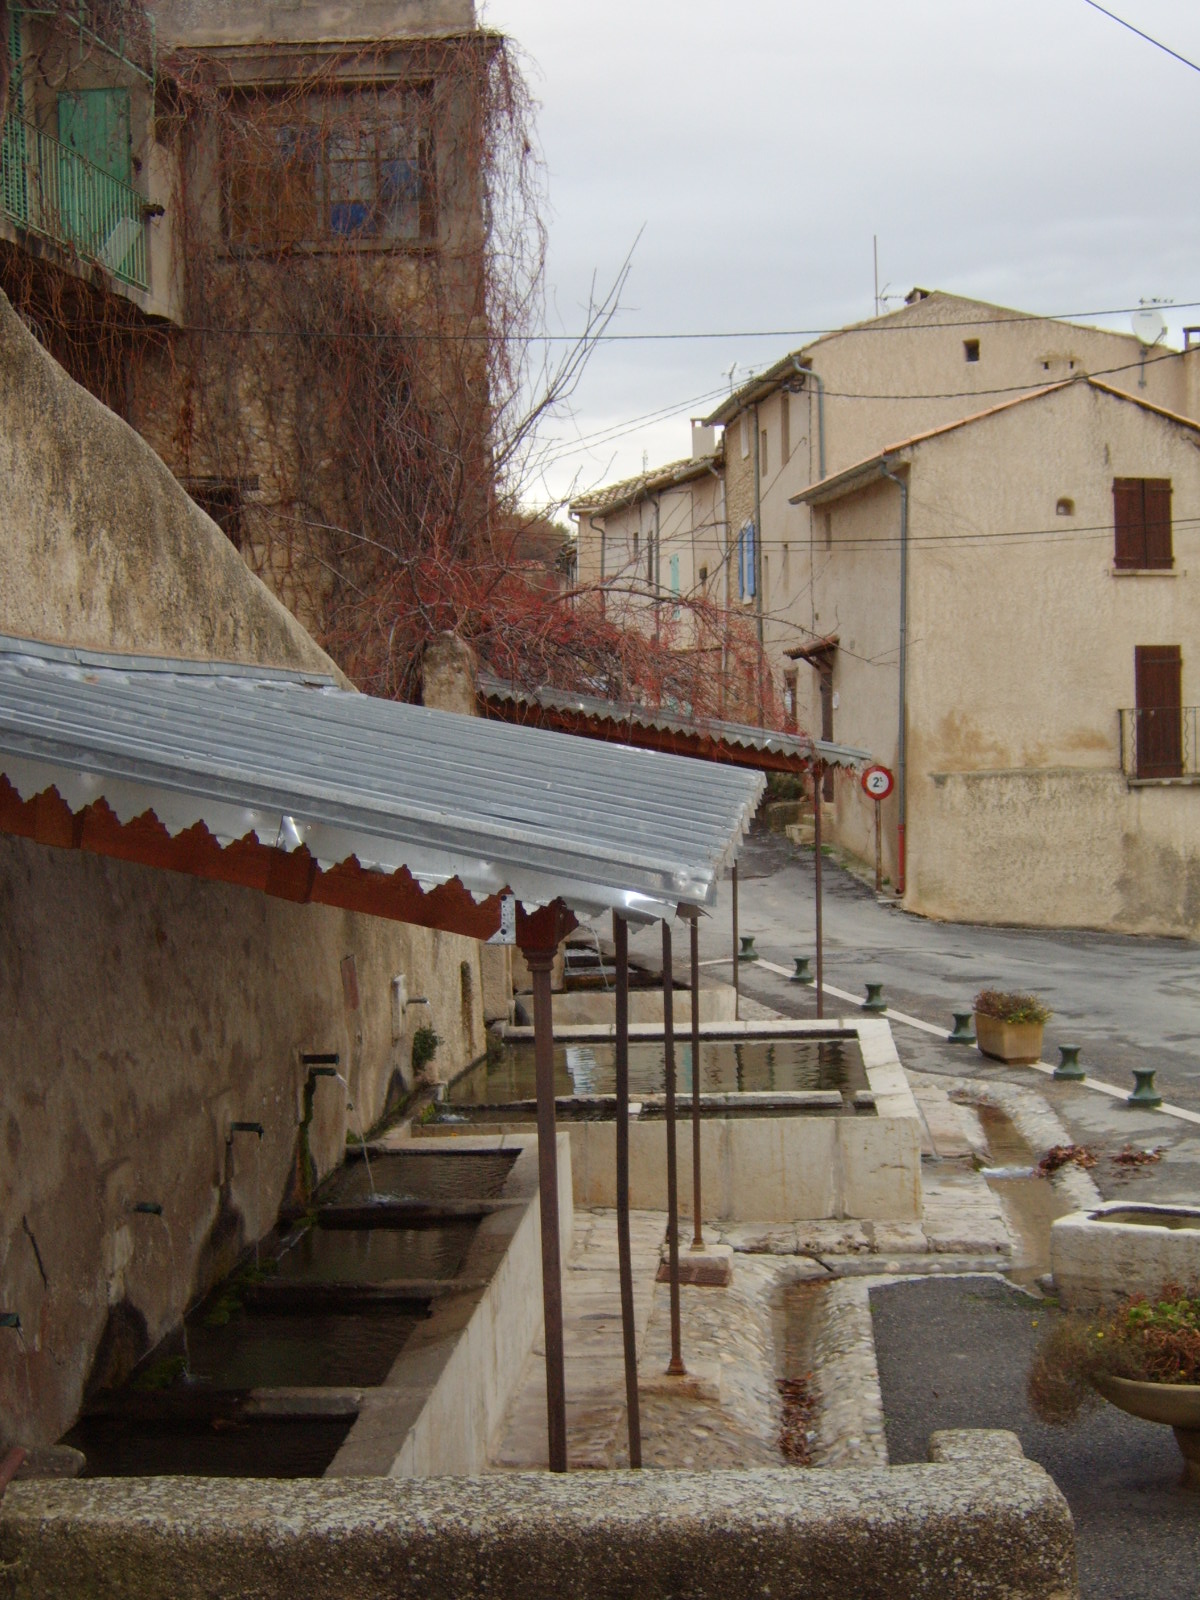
point(145, 1011)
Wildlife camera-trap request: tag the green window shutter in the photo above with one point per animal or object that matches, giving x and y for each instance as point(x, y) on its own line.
point(14, 169)
point(95, 124)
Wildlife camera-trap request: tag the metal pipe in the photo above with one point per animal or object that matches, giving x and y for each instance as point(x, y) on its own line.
point(901, 737)
point(540, 962)
point(818, 773)
point(758, 588)
point(697, 1230)
point(624, 1250)
point(675, 1366)
point(807, 372)
point(734, 908)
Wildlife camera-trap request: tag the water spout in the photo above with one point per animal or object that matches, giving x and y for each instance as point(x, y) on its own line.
point(362, 1137)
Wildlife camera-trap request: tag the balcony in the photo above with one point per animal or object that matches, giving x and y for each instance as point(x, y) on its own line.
point(1159, 743)
point(58, 193)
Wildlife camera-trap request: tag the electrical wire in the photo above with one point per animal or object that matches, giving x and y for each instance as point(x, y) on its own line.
point(1157, 43)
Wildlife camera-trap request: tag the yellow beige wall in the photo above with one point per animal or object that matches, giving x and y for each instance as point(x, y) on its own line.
point(1021, 654)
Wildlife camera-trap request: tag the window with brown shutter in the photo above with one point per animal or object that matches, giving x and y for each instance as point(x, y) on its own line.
point(1142, 524)
point(1157, 673)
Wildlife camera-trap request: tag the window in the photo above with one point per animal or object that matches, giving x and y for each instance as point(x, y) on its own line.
point(703, 577)
point(354, 166)
point(747, 563)
point(1142, 524)
point(970, 349)
point(1158, 719)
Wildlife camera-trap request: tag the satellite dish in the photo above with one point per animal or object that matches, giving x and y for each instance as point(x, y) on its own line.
point(1148, 325)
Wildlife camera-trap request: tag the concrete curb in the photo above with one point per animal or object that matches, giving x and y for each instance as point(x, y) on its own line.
point(981, 1522)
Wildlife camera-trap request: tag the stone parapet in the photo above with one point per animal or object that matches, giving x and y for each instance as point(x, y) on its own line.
point(979, 1521)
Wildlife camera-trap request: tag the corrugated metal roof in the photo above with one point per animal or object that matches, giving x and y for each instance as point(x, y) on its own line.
point(293, 760)
point(740, 735)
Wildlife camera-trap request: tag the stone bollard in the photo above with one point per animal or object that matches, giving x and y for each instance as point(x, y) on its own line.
point(874, 1001)
point(963, 1031)
point(1144, 1093)
point(1068, 1069)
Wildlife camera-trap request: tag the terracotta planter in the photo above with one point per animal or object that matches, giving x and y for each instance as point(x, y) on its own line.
point(1176, 1404)
point(1019, 1043)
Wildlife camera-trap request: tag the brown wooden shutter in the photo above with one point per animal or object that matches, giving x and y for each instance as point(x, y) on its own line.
point(1158, 674)
point(1130, 546)
point(1157, 517)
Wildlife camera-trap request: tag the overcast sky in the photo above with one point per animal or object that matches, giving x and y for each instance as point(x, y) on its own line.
point(1028, 152)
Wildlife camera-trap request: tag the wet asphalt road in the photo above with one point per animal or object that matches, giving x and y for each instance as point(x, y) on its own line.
point(954, 1352)
point(1126, 1000)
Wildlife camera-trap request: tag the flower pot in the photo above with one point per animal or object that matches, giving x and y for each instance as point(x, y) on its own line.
point(1019, 1043)
point(1176, 1404)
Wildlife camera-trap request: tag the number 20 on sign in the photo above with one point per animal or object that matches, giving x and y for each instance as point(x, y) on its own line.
point(878, 783)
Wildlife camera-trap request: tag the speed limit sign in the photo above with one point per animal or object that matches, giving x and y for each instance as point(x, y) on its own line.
point(878, 782)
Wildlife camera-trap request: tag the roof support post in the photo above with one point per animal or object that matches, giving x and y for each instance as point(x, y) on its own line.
point(697, 1229)
point(540, 962)
point(624, 1250)
point(675, 1367)
point(733, 909)
point(817, 774)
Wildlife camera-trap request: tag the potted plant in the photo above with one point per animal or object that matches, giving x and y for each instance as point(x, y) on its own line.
point(1143, 1357)
point(1008, 1027)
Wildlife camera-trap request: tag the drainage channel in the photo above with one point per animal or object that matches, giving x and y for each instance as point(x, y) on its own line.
point(1030, 1203)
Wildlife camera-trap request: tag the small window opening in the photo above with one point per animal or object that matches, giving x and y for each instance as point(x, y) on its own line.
point(971, 349)
point(1065, 507)
point(703, 576)
point(1045, 366)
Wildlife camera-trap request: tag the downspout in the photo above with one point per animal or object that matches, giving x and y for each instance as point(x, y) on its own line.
point(901, 741)
point(807, 372)
point(657, 563)
point(603, 531)
point(758, 588)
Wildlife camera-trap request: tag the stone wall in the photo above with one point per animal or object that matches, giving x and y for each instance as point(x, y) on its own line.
point(145, 1011)
point(979, 1522)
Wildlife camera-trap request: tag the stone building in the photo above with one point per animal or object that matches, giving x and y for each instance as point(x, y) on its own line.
point(1010, 623)
point(146, 1009)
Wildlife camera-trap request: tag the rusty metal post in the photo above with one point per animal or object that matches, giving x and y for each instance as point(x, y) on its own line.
point(817, 772)
point(734, 909)
point(675, 1366)
point(540, 962)
point(697, 1231)
point(624, 1250)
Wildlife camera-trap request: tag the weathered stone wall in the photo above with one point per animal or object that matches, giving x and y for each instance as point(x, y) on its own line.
point(978, 1522)
point(144, 1011)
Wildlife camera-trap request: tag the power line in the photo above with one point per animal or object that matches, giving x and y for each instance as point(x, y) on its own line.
point(467, 337)
point(1157, 43)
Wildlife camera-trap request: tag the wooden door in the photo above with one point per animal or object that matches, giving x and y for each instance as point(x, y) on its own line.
point(1158, 672)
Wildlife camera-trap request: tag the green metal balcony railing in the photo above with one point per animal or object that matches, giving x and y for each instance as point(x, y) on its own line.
point(54, 191)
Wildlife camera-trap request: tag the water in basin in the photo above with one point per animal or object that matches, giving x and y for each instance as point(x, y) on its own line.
point(726, 1066)
point(377, 1255)
point(419, 1175)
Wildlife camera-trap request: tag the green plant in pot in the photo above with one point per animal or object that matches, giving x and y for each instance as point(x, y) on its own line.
point(1009, 1026)
point(1143, 1356)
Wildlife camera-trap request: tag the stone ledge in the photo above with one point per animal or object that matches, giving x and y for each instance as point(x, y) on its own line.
point(986, 1523)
